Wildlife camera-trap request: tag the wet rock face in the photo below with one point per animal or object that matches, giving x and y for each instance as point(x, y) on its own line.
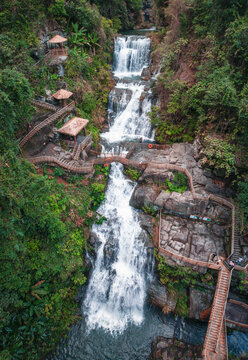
point(171, 349)
point(118, 100)
point(194, 240)
point(199, 301)
point(159, 296)
point(143, 196)
point(185, 155)
point(177, 203)
point(94, 241)
point(145, 75)
point(110, 251)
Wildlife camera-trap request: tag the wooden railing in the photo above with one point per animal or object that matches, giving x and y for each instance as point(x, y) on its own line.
point(66, 164)
point(57, 52)
point(44, 105)
point(47, 121)
point(215, 344)
point(211, 348)
point(86, 141)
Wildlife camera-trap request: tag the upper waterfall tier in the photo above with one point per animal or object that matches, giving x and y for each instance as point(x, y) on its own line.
point(131, 55)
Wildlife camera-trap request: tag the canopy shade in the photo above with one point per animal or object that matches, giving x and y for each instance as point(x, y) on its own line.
point(57, 39)
point(62, 94)
point(73, 126)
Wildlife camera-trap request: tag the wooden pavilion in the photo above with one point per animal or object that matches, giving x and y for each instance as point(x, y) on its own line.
point(56, 46)
point(63, 95)
point(73, 127)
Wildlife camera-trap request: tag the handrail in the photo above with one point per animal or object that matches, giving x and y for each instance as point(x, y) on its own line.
point(47, 121)
point(211, 344)
point(44, 105)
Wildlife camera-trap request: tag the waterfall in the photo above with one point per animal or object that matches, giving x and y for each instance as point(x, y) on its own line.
point(116, 291)
point(130, 100)
point(117, 287)
point(131, 55)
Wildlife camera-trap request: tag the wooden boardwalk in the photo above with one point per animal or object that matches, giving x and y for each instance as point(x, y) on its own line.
point(215, 344)
point(49, 120)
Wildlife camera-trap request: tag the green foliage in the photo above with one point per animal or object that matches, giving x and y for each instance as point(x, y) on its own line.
point(177, 279)
point(132, 173)
point(182, 308)
point(77, 64)
point(178, 184)
point(219, 155)
point(102, 169)
point(148, 210)
point(119, 11)
point(98, 195)
point(41, 258)
point(243, 282)
point(15, 109)
point(243, 196)
point(57, 9)
point(203, 76)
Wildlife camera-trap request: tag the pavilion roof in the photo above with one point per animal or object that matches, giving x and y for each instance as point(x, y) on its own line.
point(57, 39)
point(62, 94)
point(73, 126)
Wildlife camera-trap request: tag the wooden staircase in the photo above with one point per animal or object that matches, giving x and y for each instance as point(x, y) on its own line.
point(236, 237)
point(215, 345)
point(46, 122)
point(44, 105)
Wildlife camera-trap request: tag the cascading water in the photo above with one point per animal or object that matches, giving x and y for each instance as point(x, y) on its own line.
point(116, 292)
point(115, 296)
point(131, 55)
point(130, 100)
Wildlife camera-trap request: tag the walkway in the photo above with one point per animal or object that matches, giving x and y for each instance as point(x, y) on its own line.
point(215, 344)
point(47, 121)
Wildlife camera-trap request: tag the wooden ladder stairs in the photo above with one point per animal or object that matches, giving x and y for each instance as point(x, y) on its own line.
point(215, 344)
point(46, 122)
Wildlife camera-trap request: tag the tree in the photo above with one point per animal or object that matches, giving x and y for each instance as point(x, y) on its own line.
point(15, 107)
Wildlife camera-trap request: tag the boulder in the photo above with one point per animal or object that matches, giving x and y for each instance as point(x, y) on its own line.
point(143, 196)
point(145, 75)
point(110, 251)
point(199, 301)
point(171, 349)
point(94, 241)
point(159, 296)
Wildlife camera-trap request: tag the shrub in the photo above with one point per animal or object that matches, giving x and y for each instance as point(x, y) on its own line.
point(243, 196)
point(132, 173)
point(178, 184)
point(219, 155)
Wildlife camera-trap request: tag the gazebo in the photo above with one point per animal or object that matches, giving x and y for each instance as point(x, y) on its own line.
point(62, 94)
point(57, 45)
point(73, 127)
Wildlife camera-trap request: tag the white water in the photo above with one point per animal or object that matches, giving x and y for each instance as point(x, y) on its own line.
point(131, 55)
point(131, 121)
point(116, 291)
point(117, 288)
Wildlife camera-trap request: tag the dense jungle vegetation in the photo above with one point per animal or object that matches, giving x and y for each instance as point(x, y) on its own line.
point(45, 217)
point(203, 82)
